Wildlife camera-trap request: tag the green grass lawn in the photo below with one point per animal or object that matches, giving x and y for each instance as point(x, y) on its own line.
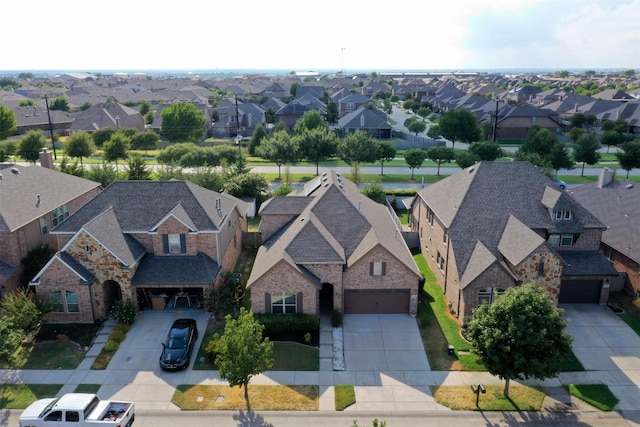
point(19, 396)
point(597, 395)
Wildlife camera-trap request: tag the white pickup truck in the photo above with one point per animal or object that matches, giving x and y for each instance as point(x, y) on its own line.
point(78, 410)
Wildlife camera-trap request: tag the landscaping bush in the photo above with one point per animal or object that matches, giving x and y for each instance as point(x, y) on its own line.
point(211, 350)
point(279, 323)
point(336, 319)
point(124, 312)
point(111, 346)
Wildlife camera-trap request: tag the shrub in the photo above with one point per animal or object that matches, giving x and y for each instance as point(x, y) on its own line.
point(336, 319)
point(279, 323)
point(22, 310)
point(117, 336)
point(212, 349)
point(111, 346)
point(124, 312)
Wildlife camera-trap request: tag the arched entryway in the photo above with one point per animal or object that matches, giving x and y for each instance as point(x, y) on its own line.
point(111, 293)
point(326, 299)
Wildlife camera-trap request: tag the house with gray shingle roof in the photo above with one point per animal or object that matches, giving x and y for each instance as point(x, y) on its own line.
point(141, 241)
point(616, 203)
point(328, 247)
point(497, 225)
point(33, 200)
point(373, 122)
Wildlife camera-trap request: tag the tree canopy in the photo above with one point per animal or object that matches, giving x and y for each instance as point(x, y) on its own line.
point(585, 150)
point(146, 140)
point(8, 122)
point(31, 145)
point(414, 158)
point(183, 122)
point(281, 148)
point(386, 153)
point(629, 157)
point(486, 150)
point(242, 351)
point(355, 149)
point(459, 125)
point(316, 143)
point(521, 335)
point(440, 155)
point(116, 148)
point(79, 145)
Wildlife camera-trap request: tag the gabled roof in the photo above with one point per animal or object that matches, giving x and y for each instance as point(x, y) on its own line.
point(363, 118)
point(30, 192)
point(85, 276)
point(139, 206)
point(333, 224)
point(155, 270)
point(518, 241)
point(616, 205)
point(476, 204)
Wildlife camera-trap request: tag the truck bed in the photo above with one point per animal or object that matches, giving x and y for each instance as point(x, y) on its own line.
point(110, 411)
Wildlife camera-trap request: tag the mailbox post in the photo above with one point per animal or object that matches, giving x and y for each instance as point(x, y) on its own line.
point(477, 389)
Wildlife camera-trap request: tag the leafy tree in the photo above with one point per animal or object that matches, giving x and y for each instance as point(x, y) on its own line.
point(173, 153)
point(355, 149)
point(375, 192)
point(521, 335)
point(103, 135)
point(249, 185)
point(578, 120)
point(464, 158)
point(258, 135)
point(204, 176)
point(586, 149)
point(138, 169)
point(486, 150)
point(423, 112)
point(183, 122)
point(434, 132)
point(414, 158)
point(629, 158)
point(386, 153)
point(280, 148)
point(312, 119)
point(242, 351)
point(611, 137)
point(149, 117)
point(539, 141)
point(270, 115)
point(294, 88)
point(144, 108)
point(440, 155)
point(416, 126)
point(621, 126)
point(104, 173)
point(317, 143)
point(116, 148)
point(459, 125)
point(576, 133)
point(31, 145)
point(60, 103)
point(8, 122)
point(34, 261)
point(21, 308)
point(79, 145)
point(11, 339)
point(146, 140)
point(559, 157)
point(85, 106)
point(71, 168)
point(563, 74)
point(332, 112)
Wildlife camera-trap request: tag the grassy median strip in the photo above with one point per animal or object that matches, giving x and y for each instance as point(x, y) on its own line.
point(597, 395)
point(19, 396)
point(462, 398)
point(344, 395)
point(261, 397)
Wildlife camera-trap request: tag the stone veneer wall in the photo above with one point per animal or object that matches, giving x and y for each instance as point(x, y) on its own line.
point(551, 279)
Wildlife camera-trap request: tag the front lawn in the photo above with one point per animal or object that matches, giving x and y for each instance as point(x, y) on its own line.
point(462, 398)
point(19, 396)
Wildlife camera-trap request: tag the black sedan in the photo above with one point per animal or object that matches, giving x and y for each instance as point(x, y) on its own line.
point(177, 348)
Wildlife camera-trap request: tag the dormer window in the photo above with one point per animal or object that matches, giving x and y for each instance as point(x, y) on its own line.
point(174, 243)
point(562, 215)
point(563, 240)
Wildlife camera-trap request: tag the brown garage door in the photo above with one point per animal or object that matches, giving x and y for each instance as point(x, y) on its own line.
point(580, 291)
point(360, 301)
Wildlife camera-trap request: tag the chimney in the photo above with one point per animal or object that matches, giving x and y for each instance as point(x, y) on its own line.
point(361, 120)
point(604, 178)
point(46, 160)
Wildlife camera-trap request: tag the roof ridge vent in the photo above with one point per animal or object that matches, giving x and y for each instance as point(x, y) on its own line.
point(628, 186)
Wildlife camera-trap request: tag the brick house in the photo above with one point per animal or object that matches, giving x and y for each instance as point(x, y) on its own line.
point(151, 242)
point(328, 247)
point(616, 203)
point(515, 122)
point(33, 200)
point(497, 225)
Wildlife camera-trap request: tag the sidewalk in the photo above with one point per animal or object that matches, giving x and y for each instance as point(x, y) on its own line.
point(134, 374)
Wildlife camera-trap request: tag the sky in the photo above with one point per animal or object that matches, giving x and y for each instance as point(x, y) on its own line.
point(461, 35)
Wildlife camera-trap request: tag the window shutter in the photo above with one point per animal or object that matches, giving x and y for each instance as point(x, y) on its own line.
point(165, 243)
point(267, 302)
point(299, 308)
point(370, 269)
point(183, 243)
point(384, 268)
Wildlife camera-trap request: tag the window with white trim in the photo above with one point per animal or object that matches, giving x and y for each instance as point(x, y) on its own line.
point(283, 302)
point(563, 215)
point(175, 246)
point(59, 214)
point(562, 240)
point(64, 302)
point(489, 295)
point(378, 268)
point(43, 225)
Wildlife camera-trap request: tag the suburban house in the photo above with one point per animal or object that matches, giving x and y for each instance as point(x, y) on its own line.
point(328, 247)
point(497, 225)
point(34, 117)
point(33, 200)
point(293, 111)
point(373, 122)
point(150, 242)
point(515, 122)
point(111, 114)
point(351, 103)
point(616, 203)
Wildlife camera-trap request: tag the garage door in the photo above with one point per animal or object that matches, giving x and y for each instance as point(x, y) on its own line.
point(580, 291)
point(360, 301)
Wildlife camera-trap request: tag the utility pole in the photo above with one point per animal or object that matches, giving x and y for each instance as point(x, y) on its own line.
point(495, 122)
point(53, 142)
point(238, 136)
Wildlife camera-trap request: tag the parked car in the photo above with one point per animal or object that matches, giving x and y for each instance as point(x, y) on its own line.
point(177, 348)
point(560, 183)
point(78, 410)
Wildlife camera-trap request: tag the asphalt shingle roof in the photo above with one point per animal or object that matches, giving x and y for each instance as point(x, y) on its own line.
point(176, 270)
